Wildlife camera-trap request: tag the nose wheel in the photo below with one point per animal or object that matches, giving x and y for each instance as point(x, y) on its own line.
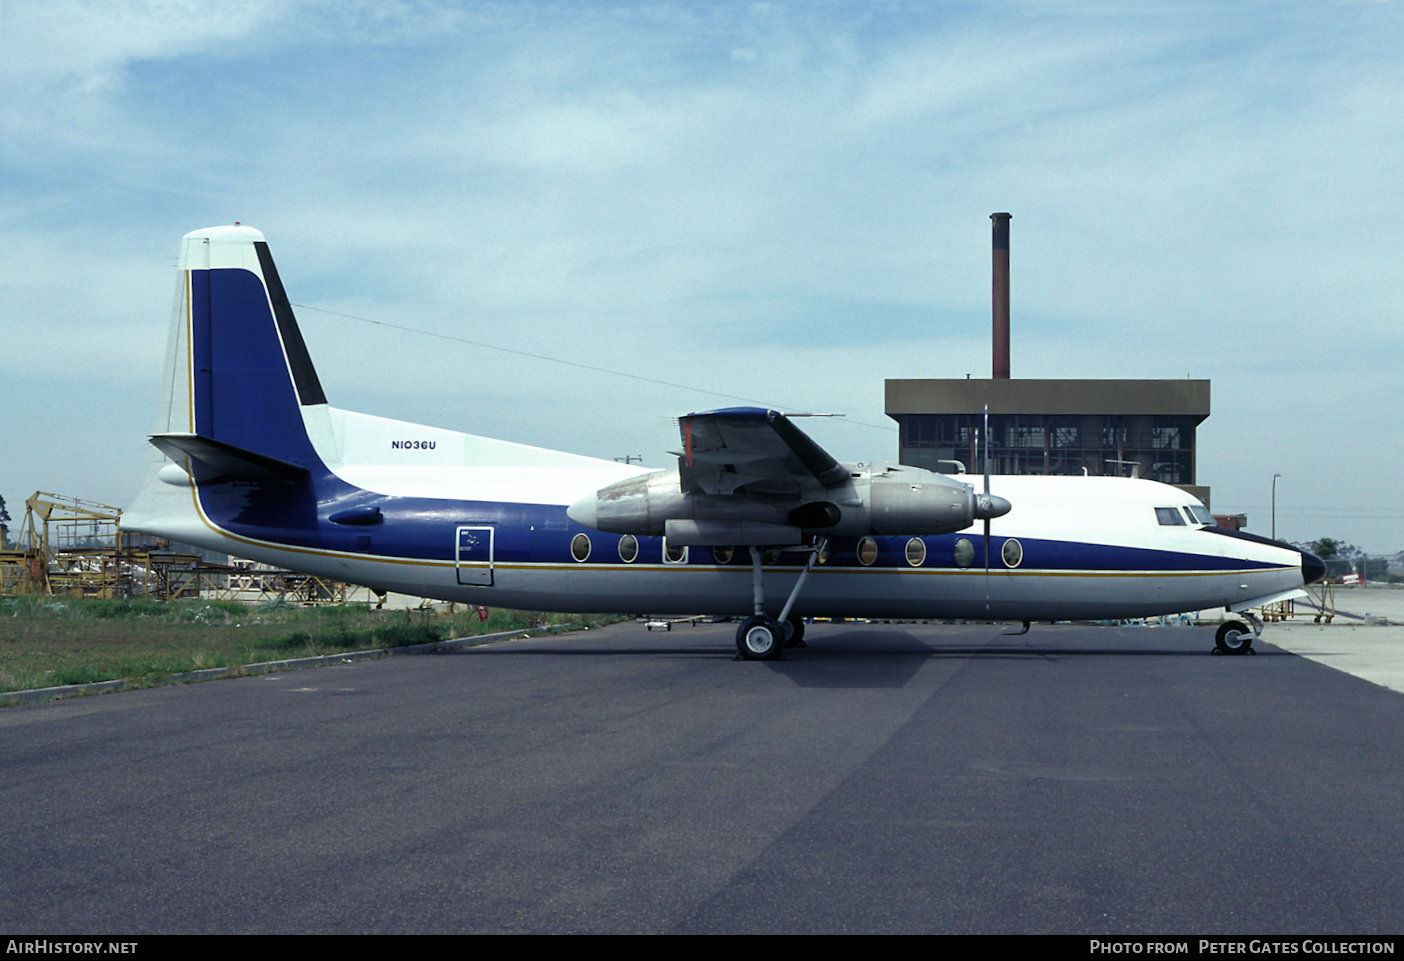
point(1235, 637)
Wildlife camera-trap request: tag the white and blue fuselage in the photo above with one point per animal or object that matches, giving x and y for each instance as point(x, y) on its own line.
point(252, 460)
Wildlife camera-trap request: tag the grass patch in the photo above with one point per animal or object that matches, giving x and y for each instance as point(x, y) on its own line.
point(47, 642)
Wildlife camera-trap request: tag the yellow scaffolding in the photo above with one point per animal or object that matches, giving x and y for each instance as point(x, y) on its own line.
point(70, 545)
point(1321, 605)
point(77, 546)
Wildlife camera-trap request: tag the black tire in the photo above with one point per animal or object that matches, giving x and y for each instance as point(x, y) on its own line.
point(760, 638)
point(794, 631)
point(1234, 637)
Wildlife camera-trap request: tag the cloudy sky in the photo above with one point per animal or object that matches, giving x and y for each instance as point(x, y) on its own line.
point(678, 206)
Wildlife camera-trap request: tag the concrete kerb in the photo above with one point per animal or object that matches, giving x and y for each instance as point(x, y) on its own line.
point(9, 698)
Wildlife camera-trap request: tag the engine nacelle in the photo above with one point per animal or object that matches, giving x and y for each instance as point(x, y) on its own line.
point(910, 500)
point(892, 500)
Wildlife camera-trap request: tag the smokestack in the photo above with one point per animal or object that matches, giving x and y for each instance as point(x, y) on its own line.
point(1000, 226)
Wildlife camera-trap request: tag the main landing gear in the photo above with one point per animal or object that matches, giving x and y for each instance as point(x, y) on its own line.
point(1236, 637)
point(762, 637)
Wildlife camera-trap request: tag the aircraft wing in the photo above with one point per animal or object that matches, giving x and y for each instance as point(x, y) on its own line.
point(751, 449)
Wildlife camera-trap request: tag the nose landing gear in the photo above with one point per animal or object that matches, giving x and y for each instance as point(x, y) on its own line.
point(1236, 637)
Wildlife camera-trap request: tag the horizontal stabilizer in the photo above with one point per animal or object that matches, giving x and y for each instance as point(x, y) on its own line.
point(226, 460)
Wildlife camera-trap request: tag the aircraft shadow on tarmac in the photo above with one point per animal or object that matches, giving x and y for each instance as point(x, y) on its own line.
point(878, 655)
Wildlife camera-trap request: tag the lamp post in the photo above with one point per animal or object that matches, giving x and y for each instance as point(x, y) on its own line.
point(1274, 505)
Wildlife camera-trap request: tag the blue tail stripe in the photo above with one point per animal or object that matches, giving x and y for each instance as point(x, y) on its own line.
point(243, 389)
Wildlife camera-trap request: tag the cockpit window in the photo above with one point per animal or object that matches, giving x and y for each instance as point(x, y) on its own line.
point(1201, 514)
point(1169, 517)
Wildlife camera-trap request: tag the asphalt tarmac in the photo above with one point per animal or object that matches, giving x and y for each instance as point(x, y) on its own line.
point(888, 778)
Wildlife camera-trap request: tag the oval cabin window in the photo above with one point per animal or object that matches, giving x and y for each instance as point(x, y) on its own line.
point(916, 551)
point(867, 551)
point(964, 552)
point(1012, 552)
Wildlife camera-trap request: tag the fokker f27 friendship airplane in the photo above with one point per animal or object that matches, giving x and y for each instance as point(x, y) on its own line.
point(757, 520)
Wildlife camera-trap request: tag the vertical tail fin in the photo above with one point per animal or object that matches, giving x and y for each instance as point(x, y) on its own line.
point(237, 376)
point(246, 365)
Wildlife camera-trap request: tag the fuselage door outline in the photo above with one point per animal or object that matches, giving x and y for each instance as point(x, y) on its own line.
point(473, 555)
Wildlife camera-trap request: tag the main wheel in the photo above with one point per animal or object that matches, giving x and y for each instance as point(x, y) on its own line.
point(1233, 637)
point(760, 638)
point(794, 631)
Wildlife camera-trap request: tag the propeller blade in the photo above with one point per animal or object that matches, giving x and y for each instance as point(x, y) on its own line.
point(987, 450)
point(987, 565)
point(985, 504)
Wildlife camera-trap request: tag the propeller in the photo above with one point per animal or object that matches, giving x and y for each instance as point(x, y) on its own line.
point(988, 506)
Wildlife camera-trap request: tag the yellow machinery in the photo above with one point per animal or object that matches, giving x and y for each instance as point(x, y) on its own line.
point(77, 546)
point(1320, 605)
point(70, 545)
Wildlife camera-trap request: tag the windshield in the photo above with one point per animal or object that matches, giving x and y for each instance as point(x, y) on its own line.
point(1200, 514)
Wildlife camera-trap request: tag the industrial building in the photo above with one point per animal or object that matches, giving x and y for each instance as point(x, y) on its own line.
point(1130, 428)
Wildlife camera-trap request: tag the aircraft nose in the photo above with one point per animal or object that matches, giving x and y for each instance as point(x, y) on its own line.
point(1313, 568)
